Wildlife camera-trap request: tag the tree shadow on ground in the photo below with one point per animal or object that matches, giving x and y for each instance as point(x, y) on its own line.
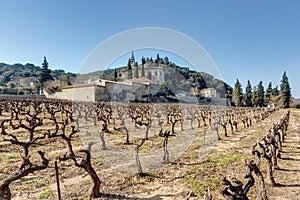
point(114, 196)
point(288, 170)
point(294, 159)
point(286, 146)
point(287, 185)
point(290, 152)
point(187, 164)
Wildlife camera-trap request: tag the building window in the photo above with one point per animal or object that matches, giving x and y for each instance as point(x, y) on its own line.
point(155, 73)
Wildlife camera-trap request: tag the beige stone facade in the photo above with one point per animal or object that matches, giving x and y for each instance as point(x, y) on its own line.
point(209, 93)
point(140, 89)
point(86, 92)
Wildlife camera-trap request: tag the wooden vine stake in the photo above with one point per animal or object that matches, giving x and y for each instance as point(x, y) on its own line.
point(57, 181)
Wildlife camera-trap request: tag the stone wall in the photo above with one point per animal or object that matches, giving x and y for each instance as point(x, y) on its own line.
point(86, 93)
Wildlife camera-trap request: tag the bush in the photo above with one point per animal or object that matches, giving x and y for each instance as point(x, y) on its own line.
point(297, 106)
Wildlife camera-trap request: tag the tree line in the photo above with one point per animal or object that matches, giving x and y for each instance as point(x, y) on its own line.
point(257, 96)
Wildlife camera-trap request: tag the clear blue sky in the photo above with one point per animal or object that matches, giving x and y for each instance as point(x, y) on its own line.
point(254, 40)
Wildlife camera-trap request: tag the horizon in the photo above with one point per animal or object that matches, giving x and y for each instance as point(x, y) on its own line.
point(246, 40)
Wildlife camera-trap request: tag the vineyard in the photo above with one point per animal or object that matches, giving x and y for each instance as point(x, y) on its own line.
point(146, 151)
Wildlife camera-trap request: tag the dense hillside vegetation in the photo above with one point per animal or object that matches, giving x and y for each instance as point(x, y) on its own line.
point(24, 79)
point(10, 72)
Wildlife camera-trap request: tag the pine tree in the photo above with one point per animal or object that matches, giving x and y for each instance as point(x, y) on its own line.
point(248, 94)
point(237, 95)
point(268, 93)
point(285, 91)
point(260, 94)
point(143, 67)
point(45, 74)
point(129, 70)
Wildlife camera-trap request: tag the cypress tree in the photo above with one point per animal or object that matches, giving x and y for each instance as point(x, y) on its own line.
point(143, 67)
point(260, 94)
point(115, 75)
point(237, 95)
point(268, 93)
point(254, 97)
point(248, 94)
point(285, 91)
point(275, 91)
point(129, 70)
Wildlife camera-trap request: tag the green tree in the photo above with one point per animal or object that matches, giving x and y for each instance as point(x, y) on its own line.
point(248, 95)
point(11, 85)
point(275, 91)
point(64, 79)
point(184, 85)
point(285, 91)
point(45, 74)
point(57, 73)
point(260, 94)
point(268, 93)
point(115, 75)
point(143, 67)
point(166, 60)
point(254, 97)
point(6, 79)
point(136, 70)
point(129, 70)
point(237, 95)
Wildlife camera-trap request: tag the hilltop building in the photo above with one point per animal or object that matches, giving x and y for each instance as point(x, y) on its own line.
point(152, 70)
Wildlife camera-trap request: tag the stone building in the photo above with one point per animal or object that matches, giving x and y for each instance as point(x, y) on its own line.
point(143, 89)
point(139, 89)
point(80, 92)
point(209, 93)
point(153, 71)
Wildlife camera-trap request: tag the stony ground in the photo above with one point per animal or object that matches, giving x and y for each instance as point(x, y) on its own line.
point(200, 167)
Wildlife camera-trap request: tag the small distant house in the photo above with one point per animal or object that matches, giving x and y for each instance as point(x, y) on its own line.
point(28, 82)
point(271, 106)
point(184, 96)
point(209, 93)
